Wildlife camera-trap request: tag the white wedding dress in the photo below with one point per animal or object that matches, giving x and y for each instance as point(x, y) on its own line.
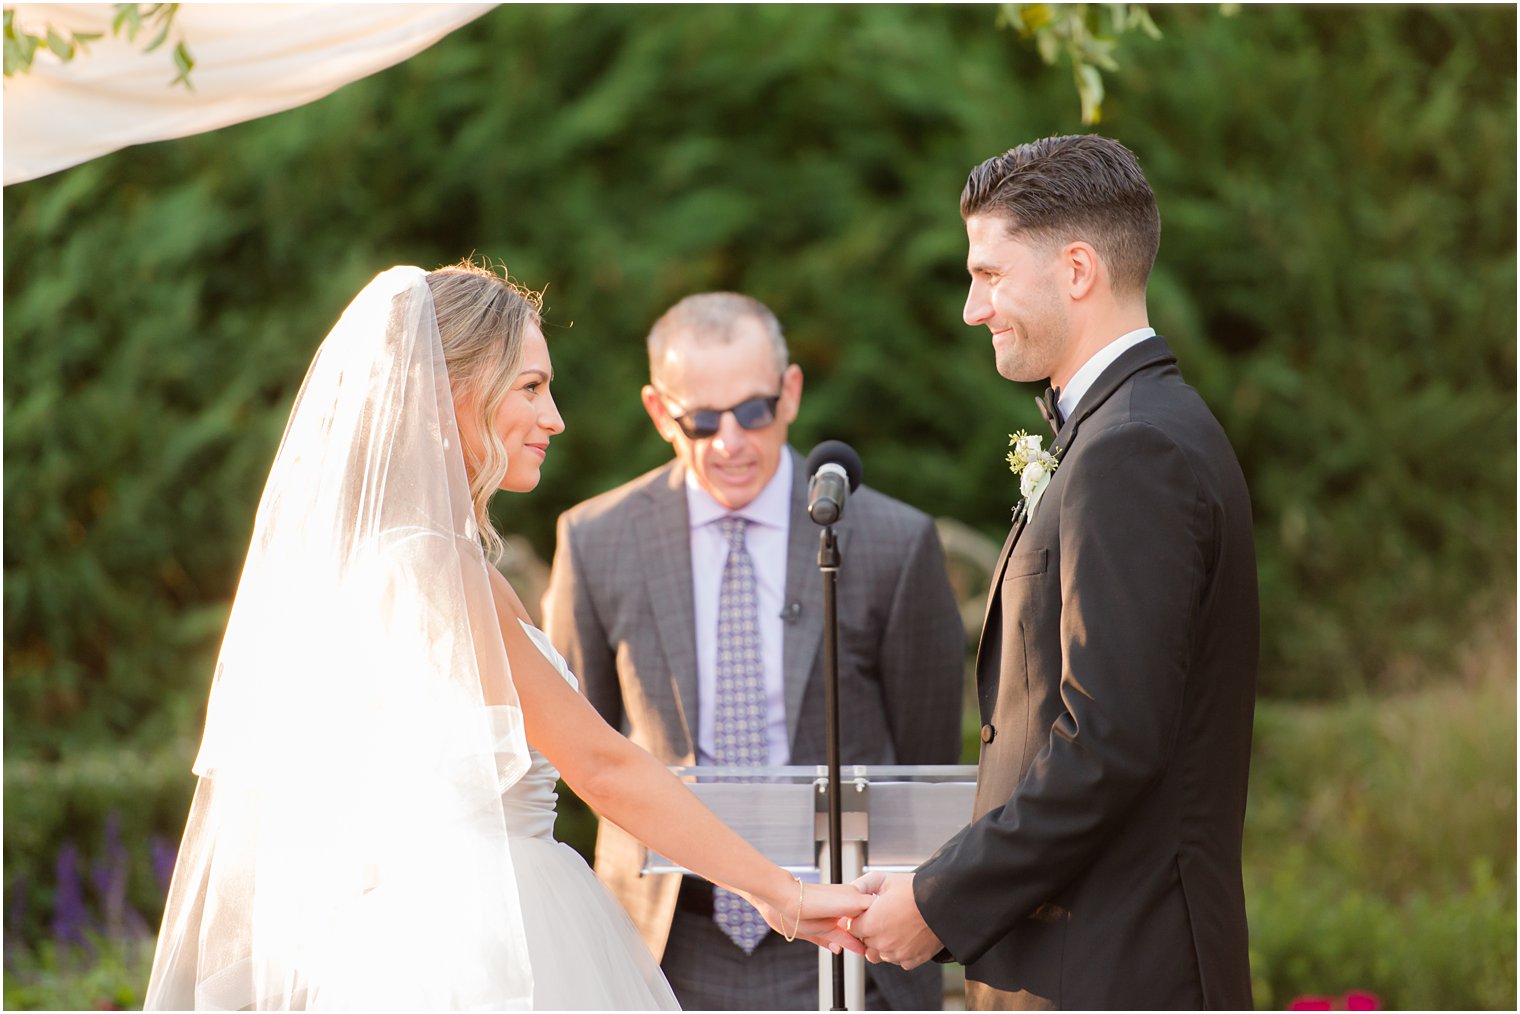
point(584, 950)
point(367, 833)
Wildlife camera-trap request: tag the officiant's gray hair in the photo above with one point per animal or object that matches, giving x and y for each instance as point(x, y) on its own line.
point(482, 317)
point(708, 318)
point(1077, 187)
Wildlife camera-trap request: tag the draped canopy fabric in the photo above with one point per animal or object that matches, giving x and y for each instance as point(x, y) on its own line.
point(250, 60)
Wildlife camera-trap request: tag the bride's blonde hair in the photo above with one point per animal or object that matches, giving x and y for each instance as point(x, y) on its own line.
point(482, 316)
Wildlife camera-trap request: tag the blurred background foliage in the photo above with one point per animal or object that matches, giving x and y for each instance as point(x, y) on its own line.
point(1337, 275)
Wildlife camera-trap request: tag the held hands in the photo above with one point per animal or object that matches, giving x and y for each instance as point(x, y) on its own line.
point(813, 912)
point(892, 930)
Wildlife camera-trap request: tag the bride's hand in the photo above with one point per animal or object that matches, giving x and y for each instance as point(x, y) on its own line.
point(817, 918)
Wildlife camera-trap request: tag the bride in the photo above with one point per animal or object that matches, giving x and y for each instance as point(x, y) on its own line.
point(373, 821)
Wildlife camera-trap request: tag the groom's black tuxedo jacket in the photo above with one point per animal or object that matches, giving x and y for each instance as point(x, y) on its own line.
point(1117, 680)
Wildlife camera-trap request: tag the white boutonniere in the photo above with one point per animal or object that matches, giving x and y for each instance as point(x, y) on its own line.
point(1034, 466)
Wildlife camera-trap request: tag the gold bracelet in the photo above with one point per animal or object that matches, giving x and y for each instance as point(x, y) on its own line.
point(798, 924)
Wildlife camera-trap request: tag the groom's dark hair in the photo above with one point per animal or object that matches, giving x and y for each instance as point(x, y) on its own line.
point(1076, 187)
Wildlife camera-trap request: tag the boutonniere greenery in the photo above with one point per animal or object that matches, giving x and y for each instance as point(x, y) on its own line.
point(1034, 466)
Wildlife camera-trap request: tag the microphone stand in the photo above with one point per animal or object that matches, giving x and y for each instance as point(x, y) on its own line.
point(828, 563)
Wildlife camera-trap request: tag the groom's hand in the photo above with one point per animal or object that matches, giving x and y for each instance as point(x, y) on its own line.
point(892, 928)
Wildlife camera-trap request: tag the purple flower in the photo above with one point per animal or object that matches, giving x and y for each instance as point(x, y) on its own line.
point(69, 916)
point(109, 875)
point(113, 856)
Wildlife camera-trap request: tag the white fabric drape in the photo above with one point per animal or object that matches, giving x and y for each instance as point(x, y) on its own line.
point(250, 60)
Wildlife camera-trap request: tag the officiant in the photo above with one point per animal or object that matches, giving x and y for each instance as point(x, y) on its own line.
point(654, 584)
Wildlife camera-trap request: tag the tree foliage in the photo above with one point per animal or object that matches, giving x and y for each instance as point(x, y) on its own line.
point(1337, 273)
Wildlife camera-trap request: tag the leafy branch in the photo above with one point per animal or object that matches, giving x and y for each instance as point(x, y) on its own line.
point(1087, 35)
point(21, 47)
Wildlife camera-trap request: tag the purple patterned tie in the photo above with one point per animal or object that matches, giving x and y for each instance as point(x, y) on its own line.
point(739, 726)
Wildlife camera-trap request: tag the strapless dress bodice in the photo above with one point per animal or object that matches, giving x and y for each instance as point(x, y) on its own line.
point(529, 803)
point(585, 952)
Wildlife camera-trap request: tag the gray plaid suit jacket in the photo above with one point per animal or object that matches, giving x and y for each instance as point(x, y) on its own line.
point(619, 608)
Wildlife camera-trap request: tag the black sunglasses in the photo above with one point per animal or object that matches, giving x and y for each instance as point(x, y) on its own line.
point(752, 414)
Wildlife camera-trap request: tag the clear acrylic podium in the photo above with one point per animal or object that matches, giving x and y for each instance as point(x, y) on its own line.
point(893, 819)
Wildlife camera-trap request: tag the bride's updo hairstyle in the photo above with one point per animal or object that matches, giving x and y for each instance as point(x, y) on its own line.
point(481, 319)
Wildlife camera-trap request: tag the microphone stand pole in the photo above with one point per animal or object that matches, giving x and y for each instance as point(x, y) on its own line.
point(828, 563)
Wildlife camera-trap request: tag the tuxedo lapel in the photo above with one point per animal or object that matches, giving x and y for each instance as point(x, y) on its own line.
point(664, 552)
point(802, 631)
point(1151, 352)
point(997, 581)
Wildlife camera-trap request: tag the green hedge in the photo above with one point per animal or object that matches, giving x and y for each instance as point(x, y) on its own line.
point(1314, 935)
point(121, 811)
point(1337, 272)
point(108, 974)
point(1339, 266)
point(1380, 844)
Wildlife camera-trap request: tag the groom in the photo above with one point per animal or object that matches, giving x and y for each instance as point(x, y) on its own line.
point(1117, 665)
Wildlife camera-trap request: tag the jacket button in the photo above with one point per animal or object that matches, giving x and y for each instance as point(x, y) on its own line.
point(988, 732)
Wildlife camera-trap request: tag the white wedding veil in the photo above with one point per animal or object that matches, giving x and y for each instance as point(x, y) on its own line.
point(346, 846)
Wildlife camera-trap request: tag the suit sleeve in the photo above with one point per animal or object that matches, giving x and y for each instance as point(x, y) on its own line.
point(575, 629)
point(923, 656)
point(1132, 544)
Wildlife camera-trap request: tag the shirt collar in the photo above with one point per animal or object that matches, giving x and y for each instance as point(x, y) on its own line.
point(773, 506)
point(1071, 394)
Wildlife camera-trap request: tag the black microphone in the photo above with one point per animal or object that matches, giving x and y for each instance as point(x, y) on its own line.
point(835, 468)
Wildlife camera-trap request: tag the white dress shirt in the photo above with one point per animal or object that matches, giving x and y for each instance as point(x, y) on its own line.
point(770, 515)
point(1071, 394)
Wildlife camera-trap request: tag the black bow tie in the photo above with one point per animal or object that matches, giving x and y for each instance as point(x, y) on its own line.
point(1050, 408)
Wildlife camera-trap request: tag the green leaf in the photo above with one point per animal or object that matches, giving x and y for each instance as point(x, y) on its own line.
point(185, 64)
point(1099, 50)
point(1048, 43)
point(163, 34)
point(1140, 18)
point(128, 17)
point(1033, 17)
point(61, 47)
point(20, 50)
point(1090, 89)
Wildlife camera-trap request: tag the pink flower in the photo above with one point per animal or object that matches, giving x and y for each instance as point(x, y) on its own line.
point(1355, 1000)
